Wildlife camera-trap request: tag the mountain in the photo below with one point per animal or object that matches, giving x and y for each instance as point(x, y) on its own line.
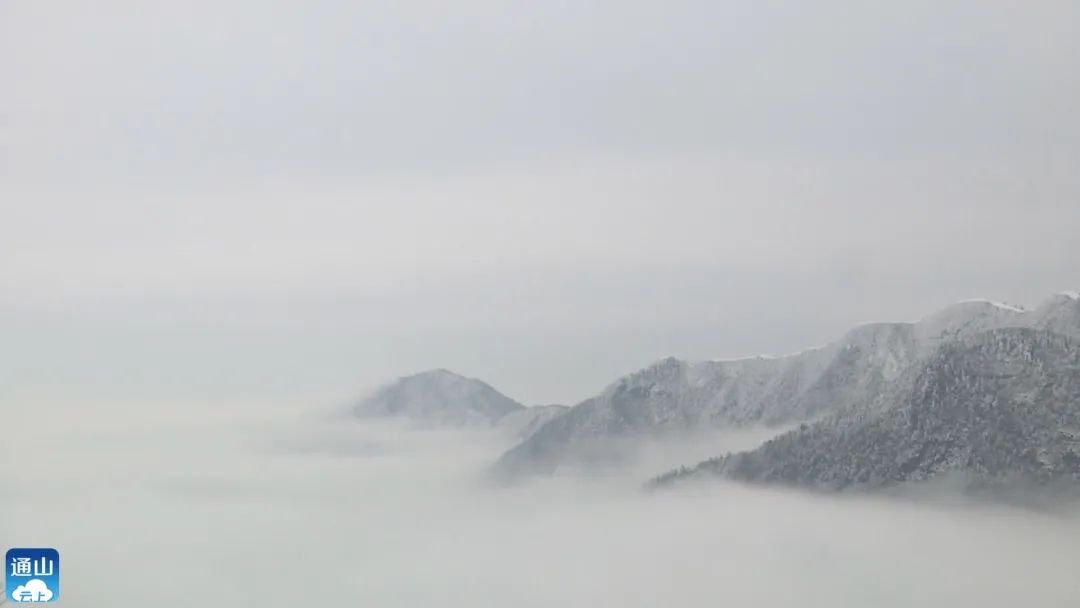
point(439, 398)
point(862, 369)
point(999, 407)
point(1061, 314)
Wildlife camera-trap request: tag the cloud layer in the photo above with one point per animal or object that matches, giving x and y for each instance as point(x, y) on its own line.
point(221, 499)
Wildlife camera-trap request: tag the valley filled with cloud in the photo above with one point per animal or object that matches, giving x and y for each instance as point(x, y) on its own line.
point(278, 505)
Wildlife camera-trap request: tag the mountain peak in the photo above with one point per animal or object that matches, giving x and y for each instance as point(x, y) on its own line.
point(437, 374)
point(438, 397)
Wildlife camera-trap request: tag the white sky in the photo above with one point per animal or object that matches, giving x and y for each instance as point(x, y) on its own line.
point(240, 197)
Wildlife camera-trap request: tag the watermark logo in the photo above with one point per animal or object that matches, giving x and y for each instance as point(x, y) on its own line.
point(33, 575)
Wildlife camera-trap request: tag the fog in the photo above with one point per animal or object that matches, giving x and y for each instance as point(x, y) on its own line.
point(285, 504)
point(212, 197)
point(220, 220)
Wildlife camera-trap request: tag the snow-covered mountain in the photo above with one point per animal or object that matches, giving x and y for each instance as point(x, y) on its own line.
point(862, 369)
point(1061, 314)
point(999, 407)
point(439, 398)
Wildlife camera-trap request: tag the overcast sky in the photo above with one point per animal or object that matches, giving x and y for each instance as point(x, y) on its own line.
point(221, 198)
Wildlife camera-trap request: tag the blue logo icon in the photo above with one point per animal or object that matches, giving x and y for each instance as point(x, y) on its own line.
point(33, 575)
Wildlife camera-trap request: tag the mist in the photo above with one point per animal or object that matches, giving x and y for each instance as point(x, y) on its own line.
point(206, 200)
point(223, 222)
point(284, 504)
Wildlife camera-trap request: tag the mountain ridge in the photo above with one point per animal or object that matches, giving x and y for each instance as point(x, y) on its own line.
point(672, 395)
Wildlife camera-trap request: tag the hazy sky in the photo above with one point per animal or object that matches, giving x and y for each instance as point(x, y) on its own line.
point(246, 197)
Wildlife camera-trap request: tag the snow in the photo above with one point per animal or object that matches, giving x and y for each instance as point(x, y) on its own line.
point(739, 359)
point(766, 357)
point(1001, 305)
point(860, 370)
point(1072, 295)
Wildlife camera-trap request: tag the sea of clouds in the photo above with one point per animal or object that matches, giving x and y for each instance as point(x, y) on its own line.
point(271, 505)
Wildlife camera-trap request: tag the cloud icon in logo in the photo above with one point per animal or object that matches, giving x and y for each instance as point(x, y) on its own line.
point(34, 590)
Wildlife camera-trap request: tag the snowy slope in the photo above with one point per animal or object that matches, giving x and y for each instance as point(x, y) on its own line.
point(861, 369)
point(1060, 314)
point(992, 409)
